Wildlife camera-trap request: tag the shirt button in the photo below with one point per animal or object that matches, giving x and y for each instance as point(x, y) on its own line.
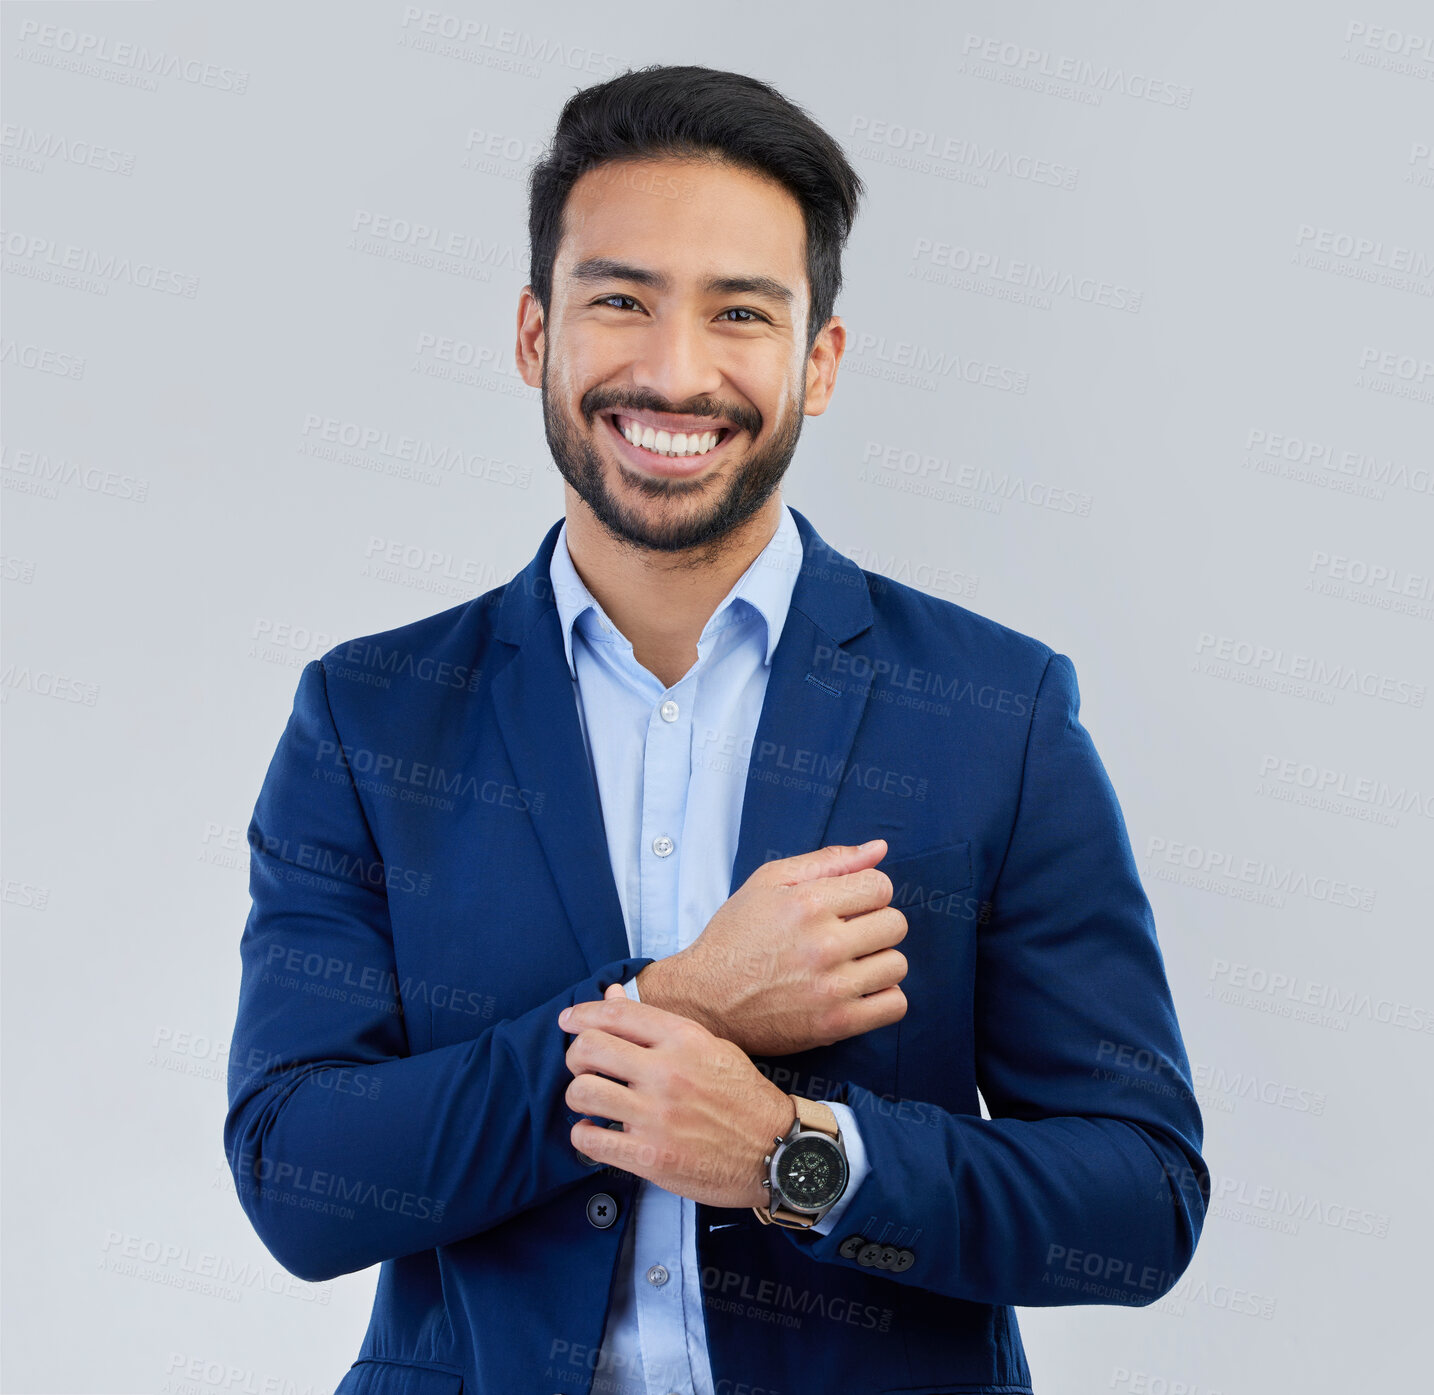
point(669, 711)
point(662, 845)
point(657, 1276)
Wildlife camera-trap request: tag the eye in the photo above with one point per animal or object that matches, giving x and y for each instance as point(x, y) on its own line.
point(753, 316)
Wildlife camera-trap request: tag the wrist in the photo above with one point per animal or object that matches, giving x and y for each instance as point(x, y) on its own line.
point(663, 983)
point(779, 1115)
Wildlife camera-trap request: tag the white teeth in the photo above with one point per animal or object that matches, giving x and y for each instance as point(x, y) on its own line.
point(666, 443)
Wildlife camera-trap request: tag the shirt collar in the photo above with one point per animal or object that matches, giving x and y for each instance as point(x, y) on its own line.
point(766, 586)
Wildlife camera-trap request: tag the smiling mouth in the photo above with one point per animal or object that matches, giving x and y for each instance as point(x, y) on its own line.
point(668, 445)
point(655, 460)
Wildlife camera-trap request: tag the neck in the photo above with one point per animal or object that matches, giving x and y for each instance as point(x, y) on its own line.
point(661, 600)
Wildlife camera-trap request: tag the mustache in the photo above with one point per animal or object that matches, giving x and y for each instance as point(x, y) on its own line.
point(604, 400)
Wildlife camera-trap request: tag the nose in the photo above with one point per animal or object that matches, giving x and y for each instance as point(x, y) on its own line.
point(677, 360)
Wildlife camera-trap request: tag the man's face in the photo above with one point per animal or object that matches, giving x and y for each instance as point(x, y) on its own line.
point(679, 304)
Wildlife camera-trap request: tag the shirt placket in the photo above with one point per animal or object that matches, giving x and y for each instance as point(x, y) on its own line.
point(665, 1222)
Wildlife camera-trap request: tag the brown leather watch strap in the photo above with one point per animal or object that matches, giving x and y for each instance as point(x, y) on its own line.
point(813, 1114)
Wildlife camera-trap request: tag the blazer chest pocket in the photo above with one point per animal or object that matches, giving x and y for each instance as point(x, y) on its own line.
point(932, 879)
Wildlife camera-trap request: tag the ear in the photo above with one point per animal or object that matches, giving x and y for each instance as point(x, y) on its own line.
point(531, 341)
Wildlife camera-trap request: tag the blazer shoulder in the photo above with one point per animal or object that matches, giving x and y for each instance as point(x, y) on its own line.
point(445, 650)
point(945, 627)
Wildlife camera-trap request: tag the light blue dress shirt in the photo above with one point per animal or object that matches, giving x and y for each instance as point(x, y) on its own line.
point(670, 766)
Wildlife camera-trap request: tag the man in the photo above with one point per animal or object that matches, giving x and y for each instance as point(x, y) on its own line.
point(571, 989)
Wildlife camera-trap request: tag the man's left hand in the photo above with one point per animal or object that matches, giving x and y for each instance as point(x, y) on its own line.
point(697, 1116)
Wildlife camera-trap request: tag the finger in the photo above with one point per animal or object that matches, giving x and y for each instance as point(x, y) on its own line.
point(875, 930)
point(878, 1010)
point(602, 1052)
point(830, 861)
point(852, 893)
point(600, 1144)
point(592, 1094)
point(869, 974)
point(612, 1147)
point(623, 1017)
point(612, 992)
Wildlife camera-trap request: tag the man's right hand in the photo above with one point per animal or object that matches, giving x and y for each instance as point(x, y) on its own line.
point(800, 955)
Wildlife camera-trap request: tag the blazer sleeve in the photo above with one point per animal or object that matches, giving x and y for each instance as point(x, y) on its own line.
point(346, 1148)
point(1086, 1185)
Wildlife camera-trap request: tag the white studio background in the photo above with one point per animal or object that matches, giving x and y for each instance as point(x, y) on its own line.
point(1141, 362)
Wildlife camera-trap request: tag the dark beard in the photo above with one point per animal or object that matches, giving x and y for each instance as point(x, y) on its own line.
point(700, 533)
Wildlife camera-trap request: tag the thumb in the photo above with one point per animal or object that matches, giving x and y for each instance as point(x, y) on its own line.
point(615, 990)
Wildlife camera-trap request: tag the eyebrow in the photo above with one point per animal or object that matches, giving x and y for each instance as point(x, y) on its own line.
point(610, 269)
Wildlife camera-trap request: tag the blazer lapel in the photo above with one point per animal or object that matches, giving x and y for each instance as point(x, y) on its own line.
point(535, 703)
point(813, 705)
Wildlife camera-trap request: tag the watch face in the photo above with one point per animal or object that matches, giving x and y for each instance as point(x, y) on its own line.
point(811, 1173)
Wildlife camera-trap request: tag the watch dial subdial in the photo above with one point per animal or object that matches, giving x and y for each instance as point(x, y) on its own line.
point(812, 1173)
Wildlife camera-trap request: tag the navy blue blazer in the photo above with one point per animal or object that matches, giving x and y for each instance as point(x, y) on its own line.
point(430, 886)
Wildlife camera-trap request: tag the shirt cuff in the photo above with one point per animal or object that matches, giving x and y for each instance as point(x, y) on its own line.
point(857, 1166)
point(631, 989)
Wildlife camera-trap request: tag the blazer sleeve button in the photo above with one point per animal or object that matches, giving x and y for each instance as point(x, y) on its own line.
point(868, 1253)
point(850, 1246)
point(904, 1260)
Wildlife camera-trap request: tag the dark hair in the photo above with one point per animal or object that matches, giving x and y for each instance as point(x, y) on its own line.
point(703, 113)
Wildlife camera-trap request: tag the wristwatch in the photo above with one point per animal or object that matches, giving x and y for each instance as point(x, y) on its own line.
point(807, 1171)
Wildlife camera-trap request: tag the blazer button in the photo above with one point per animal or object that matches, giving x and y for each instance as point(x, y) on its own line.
point(849, 1248)
point(867, 1254)
point(887, 1258)
point(904, 1260)
point(602, 1210)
